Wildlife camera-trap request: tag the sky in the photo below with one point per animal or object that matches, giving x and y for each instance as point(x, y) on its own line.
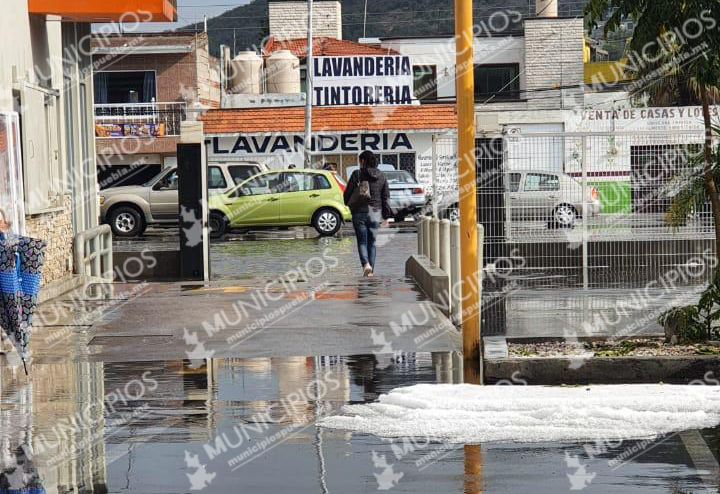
point(191, 11)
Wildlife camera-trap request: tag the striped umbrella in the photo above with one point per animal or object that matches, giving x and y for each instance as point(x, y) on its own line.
point(21, 261)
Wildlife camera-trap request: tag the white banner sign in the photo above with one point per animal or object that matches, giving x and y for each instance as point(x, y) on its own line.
point(365, 80)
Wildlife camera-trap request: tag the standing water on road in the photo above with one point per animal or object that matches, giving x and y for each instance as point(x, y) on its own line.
point(273, 257)
point(250, 425)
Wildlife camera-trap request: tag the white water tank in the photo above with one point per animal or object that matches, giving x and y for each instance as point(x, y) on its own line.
point(245, 73)
point(282, 72)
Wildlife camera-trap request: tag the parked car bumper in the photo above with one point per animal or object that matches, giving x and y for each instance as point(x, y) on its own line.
point(406, 205)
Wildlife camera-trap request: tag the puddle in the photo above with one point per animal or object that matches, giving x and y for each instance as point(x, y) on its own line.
point(266, 259)
point(248, 425)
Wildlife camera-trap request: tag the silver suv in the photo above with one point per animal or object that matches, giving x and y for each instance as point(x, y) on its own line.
point(130, 209)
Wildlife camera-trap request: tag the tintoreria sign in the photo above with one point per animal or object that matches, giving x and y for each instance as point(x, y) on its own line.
point(362, 80)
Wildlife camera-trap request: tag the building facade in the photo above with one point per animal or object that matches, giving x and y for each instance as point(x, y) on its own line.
point(145, 85)
point(46, 86)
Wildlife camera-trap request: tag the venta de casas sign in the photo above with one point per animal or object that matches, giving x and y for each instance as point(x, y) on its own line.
point(364, 80)
point(328, 143)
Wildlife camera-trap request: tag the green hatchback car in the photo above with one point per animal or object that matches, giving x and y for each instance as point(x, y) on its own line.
point(281, 198)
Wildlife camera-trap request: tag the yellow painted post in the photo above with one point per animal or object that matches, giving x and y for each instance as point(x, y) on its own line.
point(466, 170)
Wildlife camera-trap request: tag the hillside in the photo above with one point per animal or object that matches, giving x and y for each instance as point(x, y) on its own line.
point(245, 26)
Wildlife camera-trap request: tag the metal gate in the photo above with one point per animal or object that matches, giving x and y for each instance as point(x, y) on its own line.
point(589, 209)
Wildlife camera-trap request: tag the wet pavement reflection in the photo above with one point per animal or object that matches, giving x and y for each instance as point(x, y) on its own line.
point(273, 257)
point(247, 425)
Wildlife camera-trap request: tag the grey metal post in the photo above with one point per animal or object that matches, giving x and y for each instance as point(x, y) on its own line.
point(96, 269)
point(455, 288)
point(585, 216)
point(426, 238)
point(420, 236)
point(481, 241)
point(309, 87)
point(444, 260)
point(434, 240)
point(444, 250)
point(109, 268)
point(434, 177)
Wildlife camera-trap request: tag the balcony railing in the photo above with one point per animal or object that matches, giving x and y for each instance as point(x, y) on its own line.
point(147, 120)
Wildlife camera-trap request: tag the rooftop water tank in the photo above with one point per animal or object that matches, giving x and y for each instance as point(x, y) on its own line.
point(245, 73)
point(282, 72)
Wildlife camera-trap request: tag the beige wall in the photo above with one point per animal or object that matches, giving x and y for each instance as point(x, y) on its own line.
point(40, 63)
point(554, 58)
point(288, 19)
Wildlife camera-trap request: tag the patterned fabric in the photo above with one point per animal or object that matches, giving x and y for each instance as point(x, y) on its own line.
point(21, 261)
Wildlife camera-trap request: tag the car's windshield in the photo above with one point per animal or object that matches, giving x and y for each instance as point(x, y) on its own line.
point(400, 177)
point(155, 177)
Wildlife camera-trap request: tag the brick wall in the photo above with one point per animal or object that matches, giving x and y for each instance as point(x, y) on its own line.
point(288, 20)
point(56, 229)
point(175, 73)
point(553, 58)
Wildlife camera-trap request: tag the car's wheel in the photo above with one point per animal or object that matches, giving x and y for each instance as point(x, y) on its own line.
point(327, 222)
point(126, 221)
point(218, 224)
point(564, 215)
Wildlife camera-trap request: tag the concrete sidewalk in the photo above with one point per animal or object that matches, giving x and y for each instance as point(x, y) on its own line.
point(162, 321)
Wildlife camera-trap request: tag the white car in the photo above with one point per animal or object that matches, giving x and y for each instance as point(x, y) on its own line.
point(553, 197)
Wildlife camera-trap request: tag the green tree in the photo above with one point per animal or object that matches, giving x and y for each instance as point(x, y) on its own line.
point(686, 35)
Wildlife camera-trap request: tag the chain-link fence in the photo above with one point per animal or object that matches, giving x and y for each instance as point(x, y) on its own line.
point(593, 210)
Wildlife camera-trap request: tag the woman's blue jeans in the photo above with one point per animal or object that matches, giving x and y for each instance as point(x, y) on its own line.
point(366, 229)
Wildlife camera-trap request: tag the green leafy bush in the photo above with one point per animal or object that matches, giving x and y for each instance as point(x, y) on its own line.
point(695, 323)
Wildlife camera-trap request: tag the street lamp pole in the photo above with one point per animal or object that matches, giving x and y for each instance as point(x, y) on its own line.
point(308, 87)
point(469, 276)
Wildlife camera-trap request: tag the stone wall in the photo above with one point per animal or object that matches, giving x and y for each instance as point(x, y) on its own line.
point(207, 75)
point(554, 59)
point(288, 19)
point(56, 229)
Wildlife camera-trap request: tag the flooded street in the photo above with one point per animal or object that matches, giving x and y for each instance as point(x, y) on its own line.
point(141, 400)
point(248, 425)
point(240, 259)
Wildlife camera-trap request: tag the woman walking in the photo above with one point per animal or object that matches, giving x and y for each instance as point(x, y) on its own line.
point(367, 195)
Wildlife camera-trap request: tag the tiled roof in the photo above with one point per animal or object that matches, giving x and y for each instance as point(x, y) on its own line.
point(324, 47)
point(330, 119)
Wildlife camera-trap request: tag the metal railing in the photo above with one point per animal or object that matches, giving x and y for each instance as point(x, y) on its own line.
point(93, 253)
point(139, 119)
point(591, 209)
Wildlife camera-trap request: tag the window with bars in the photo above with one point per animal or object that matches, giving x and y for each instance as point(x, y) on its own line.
point(497, 82)
point(425, 82)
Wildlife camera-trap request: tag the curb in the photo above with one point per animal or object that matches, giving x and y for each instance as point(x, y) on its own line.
point(603, 370)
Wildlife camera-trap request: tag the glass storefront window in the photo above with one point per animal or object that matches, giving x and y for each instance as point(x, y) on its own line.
point(401, 161)
point(11, 186)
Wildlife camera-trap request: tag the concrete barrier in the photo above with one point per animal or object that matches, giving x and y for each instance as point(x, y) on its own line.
point(601, 370)
point(431, 280)
point(147, 266)
point(436, 268)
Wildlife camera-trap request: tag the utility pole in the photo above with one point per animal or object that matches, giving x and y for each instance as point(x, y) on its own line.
point(365, 20)
point(308, 88)
point(469, 276)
